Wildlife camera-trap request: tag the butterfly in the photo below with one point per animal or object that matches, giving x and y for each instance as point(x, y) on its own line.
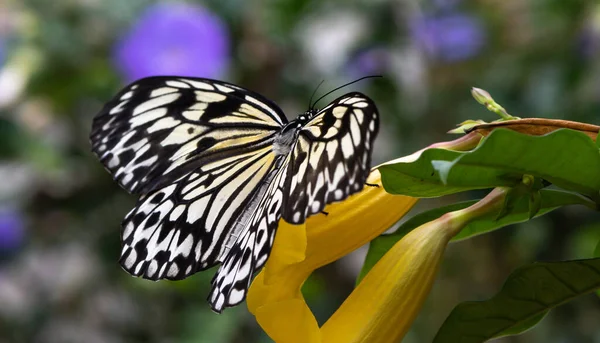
point(216, 166)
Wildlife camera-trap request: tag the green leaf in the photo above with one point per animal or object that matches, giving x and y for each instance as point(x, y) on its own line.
point(566, 158)
point(550, 199)
point(419, 178)
point(523, 325)
point(519, 211)
point(535, 204)
point(597, 254)
point(528, 293)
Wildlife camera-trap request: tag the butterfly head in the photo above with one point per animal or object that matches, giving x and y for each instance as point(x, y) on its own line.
point(311, 113)
point(302, 119)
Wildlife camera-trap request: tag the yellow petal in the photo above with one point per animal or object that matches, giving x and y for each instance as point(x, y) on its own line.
point(284, 282)
point(281, 311)
point(289, 248)
point(385, 303)
point(274, 296)
point(299, 327)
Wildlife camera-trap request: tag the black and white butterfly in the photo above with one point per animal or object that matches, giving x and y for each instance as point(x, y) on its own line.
point(217, 166)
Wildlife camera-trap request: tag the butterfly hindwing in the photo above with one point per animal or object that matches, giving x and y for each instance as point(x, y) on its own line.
point(185, 227)
point(252, 248)
point(331, 157)
point(157, 129)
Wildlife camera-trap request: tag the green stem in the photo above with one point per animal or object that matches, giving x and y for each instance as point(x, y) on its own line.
point(492, 203)
point(464, 143)
point(484, 98)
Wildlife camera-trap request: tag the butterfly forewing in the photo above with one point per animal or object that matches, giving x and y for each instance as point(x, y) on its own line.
point(158, 129)
point(331, 157)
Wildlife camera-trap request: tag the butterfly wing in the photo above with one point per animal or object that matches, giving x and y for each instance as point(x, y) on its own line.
point(191, 224)
point(198, 151)
point(253, 246)
point(332, 156)
point(160, 128)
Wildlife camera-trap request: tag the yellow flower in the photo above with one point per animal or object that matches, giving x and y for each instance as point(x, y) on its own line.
point(383, 306)
point(275, 298)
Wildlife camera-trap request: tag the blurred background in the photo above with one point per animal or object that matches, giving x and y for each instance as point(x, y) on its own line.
point(60, 212)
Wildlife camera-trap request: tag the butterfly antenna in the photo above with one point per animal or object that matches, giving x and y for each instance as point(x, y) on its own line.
point(313, 94)
point(342, 86)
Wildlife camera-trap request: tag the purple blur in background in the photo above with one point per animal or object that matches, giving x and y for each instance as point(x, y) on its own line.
point(369, 62)
point(449, 37)
point(2, 50)
point(174, 39)
point(12, 230)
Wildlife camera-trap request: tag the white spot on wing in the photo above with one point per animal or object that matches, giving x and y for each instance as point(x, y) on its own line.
point(162, 124)
point(315, 206)
point(176, 213)
point(180, 134)
point(162, 91)
point(155, 102)
point(148, 117)
point(173, 270)
point(177, 84)
point(332, 149)
point(118, 108)
point(352, 100)
point(209, 96)
point(339, 111)
point(360, 116)
point(184, 248)
point(236, 296)
point(131, 259)
point(355, 130)
point(161, 272)
point(338, 194)
point(127, 230)
point(192, 115)
point(196, 209)
point(152, 268)
point(126, 95)
point(199, 106)
point(338, 174)
point(200, 84)
point(224, 89)
point(347, 146)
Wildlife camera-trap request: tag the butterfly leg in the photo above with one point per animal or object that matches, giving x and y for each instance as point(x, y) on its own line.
point(325, 213)
point(371, 184)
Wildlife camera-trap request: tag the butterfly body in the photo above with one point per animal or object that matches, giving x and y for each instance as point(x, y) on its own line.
point(217, 166)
